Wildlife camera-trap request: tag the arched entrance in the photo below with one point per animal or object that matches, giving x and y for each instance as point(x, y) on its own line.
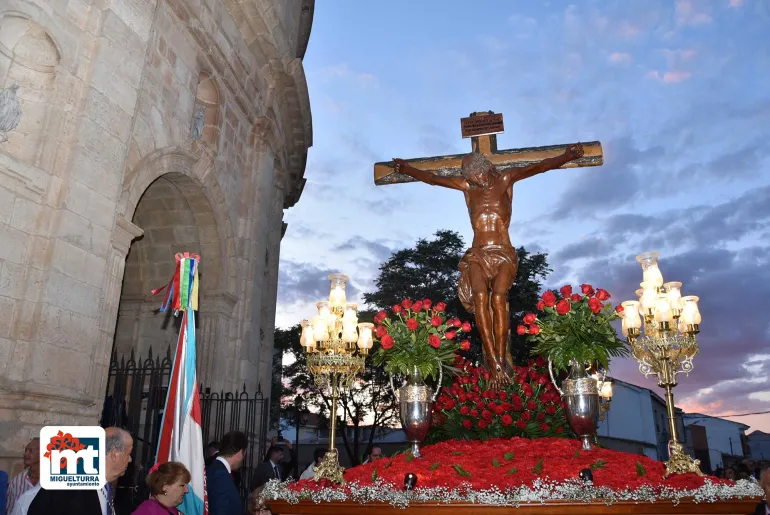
point(175, 216)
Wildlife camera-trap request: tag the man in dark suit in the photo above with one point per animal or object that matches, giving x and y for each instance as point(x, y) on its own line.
point(764, 482)
point(118, 447)
point(223, 495)
point(274, 467)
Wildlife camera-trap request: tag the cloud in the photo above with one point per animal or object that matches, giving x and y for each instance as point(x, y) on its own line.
point(343, 71)
point(735, 3)
point(620, 58)
point(305, 282)
point(379, 250)
point(688, 14)
point(586, 247)
point(669, 77)
point(524, 27)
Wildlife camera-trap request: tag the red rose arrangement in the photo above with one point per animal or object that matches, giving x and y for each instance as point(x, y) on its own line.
point(418, 334)
point(576, 327)
point(468, 408)
point(506, 463)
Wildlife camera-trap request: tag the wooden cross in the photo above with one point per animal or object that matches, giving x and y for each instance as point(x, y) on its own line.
point(449, 166)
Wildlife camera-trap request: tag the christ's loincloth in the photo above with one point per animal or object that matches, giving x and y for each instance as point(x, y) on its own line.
point(489, 258)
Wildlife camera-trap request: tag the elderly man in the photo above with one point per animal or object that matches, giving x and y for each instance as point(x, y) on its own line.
point(118, 447)
point(28, 478)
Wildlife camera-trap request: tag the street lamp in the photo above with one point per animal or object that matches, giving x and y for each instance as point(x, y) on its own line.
point(336, 347)
point(669, 322)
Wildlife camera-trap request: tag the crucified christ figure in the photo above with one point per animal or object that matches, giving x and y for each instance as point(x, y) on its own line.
point(488, 269)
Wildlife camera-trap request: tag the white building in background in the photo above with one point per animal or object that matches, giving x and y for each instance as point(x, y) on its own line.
point(724, 439)
point(637, 422)
point(759, 445)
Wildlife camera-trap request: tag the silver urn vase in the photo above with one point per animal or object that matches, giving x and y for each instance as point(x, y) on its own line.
point(580, 394)
point(415, 403)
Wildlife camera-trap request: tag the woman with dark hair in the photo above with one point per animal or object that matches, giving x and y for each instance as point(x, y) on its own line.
point(168, 484)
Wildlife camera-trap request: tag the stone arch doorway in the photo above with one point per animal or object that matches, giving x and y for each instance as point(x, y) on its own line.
point(175, 216)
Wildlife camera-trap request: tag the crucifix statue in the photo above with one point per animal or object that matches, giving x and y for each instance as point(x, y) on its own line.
point(486, 177)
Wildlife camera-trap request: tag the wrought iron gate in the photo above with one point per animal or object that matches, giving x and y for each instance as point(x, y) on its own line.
point(135, 399)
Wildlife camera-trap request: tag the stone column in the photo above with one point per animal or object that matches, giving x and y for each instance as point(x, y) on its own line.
point(213, 345)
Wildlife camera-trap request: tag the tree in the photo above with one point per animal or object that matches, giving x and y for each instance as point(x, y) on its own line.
point(366, 410)
point(431, 270)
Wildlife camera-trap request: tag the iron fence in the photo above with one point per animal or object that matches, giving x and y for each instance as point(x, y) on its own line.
point(135, 400)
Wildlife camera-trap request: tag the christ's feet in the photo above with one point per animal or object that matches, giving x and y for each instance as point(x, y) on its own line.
point(498, 377)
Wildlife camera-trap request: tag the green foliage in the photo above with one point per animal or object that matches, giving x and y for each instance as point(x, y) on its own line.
point(461, 471)
point(374, 475)
point(434, 466)
point(512, 471)
point(599, 464)
point(583, 334)
point(495, 463)
point(508, 456)
point(538, 468)
point(640, 470)
point(409, 457)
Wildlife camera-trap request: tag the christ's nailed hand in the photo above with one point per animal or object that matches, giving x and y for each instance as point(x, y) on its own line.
point(575, 151)
point(399, 165)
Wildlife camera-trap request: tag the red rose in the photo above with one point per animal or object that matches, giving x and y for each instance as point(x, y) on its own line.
point(521, 424)
point(526, 415)
point(530, 318)
point(502, 395)
point(499, 410)
point(566, 291)
point(619, 309)
point(550, 409)
point(602, 295)
point(434, 341)
point(456, 322)
point(531, 405)
point(542, 380)
point(450, 403)
point(450, 335)
point(387, 342)
point(587, 289)
point(539, 361)
point(507, 420)
point(465, 345)
point(380, 316)
point(486, 415)
point(396, 309)
point(595, 304)
point(406, 303)
point(549, 298)
point(534, 329)
point(441, 306)
point(467, 424)
point(465, 410)
point(474, 413)
point(480, 405)
point(540, 305)
point(417, 306)
point(559, 429)
point(381, 331)
point(544, 427)
point(520, 330)
point(412, 324)
point(427, 303)
point(482, 424)
point(435, 321)
point(466, 327)
point(540, 416)
point(563, 307)
point(576, 297)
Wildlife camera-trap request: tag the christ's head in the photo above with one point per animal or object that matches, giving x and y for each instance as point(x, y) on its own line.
point(476, 169)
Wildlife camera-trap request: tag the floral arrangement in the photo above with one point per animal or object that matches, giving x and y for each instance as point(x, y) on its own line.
point(575, 327)
point(417, 334)
point(510, 472)
point(470, 409)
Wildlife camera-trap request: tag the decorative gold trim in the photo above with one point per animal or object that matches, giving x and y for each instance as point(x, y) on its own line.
point(582, 386)
point(415, 394)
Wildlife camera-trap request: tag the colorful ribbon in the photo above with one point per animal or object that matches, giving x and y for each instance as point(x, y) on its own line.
point(182, 290)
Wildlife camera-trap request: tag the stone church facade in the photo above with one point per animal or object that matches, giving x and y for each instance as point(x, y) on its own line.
point(148, 127)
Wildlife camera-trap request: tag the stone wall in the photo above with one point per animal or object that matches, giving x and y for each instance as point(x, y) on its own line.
point(104, 156)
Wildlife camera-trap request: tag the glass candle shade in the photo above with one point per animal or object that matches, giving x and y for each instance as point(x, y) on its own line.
point(690, 312)
point(365, 340)
point(650, 270)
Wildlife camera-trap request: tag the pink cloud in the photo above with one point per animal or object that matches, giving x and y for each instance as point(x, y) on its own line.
point(686, 14)
point(628, 30)
point(735, 3)
point(670, 77)
point(620, 58)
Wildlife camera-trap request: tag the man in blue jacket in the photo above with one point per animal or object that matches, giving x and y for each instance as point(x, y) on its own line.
point(223, 495)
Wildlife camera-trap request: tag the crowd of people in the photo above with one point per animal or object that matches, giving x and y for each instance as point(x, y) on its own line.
point(168, 482)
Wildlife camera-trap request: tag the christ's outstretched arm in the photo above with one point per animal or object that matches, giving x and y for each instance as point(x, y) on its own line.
point(455, 183)
point(516, 174)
